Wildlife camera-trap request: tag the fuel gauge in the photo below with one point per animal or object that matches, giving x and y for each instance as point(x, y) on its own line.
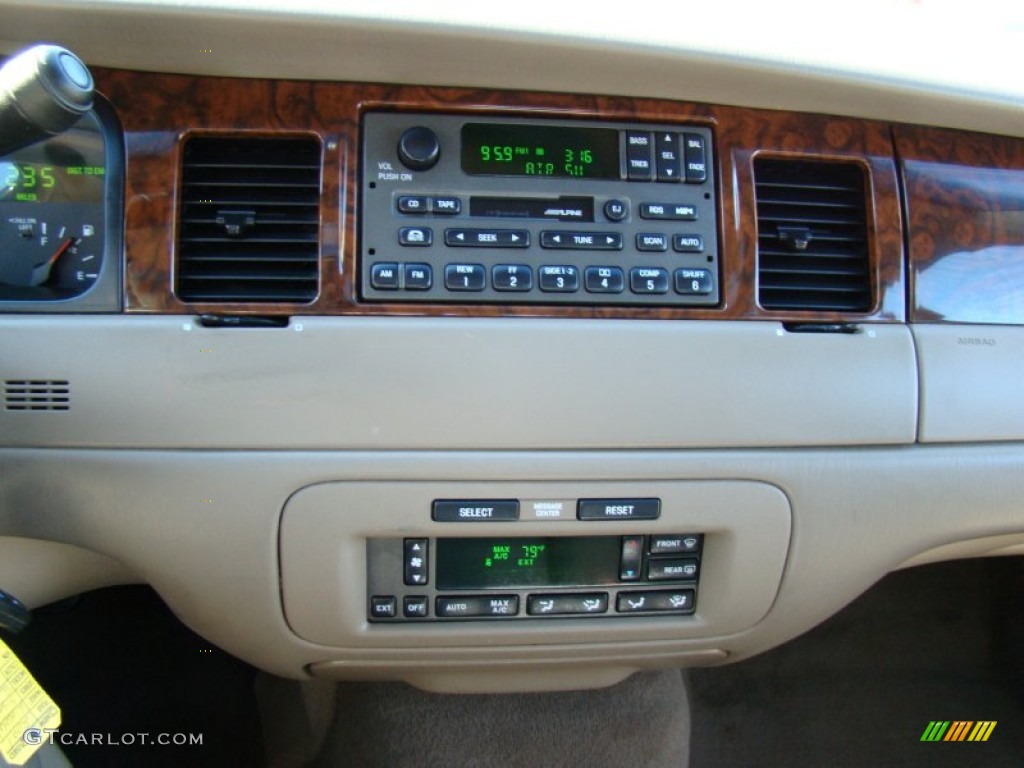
point(57, 249)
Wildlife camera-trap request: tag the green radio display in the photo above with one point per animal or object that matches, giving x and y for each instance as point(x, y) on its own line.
point(537, 561)
point(504, 149)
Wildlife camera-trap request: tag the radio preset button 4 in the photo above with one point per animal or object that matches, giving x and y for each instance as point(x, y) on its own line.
point(603, 280)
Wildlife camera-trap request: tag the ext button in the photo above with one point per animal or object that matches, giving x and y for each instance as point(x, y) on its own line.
point(511, 277)
point(603, 280)
point(674, 569)
point(678, 601)
point(666, 156)
point(448, 206)
point(688, 243)
point(384, 276)
point(618, 509)
point(694, 282)
point(412, 204)
point(648, 280)
point(464, 607)
point(638, 156)
point(475, 511)
point(464, 277)
point(651, 242)
point(668, 212)
point(383, 607)
point(559, 279)
point(416, 564)
point(418, 277)
point(415, 236)
point(561, 605)
point(576, 241)
point(695, 158)
point(487, 238)
point(673, 544)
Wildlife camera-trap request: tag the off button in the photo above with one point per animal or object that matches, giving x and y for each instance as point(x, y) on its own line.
point(618, 509)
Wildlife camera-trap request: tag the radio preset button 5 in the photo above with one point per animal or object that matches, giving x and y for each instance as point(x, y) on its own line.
point(648, 280)
point(487, 238)
point(559, 279)
point(448, 511)
point(511, 277)
point(581, 241)
point(668, 212)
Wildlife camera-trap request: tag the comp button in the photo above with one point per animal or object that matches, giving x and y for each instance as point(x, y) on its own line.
point(449, 511)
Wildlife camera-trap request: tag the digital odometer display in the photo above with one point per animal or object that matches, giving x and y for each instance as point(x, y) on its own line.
point(502, 149)
point(28, 182)
point(545, 561)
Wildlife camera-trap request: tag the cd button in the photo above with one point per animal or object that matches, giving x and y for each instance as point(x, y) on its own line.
point(603, 280)
point(412, 204)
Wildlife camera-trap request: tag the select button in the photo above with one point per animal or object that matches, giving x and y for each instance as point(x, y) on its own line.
point(475, 511)
point(618, 509)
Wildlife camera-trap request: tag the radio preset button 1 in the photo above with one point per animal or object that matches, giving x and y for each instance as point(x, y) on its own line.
point(415, 236)
point(648, 280)
point(618, 509)
point(668, 212)
point(384, 276)
point(687, 243)
point(694, 282)
point(662, 544)
point(676, 601)
point(559, 279)
point(651, 241)
point(511, 277)
point(672, 569)
point(418, 277)
point(603, 280)
point(695, 158)
point(487, 238)
point(616, 210)
point(412, 204)
point(666, 156)
point(464, 607)
point(457, 511)
point(581, 241)
point(638, 156)
point(464, 277)
point(562, 604)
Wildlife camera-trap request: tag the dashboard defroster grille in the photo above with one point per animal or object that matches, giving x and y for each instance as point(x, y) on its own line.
point(250, 220)
point(812, 246)
point(37, 395)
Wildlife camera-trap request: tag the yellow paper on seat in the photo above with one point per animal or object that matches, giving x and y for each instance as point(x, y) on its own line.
point(24, 707)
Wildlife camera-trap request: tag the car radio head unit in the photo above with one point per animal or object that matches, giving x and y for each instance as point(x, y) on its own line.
point(469, 209)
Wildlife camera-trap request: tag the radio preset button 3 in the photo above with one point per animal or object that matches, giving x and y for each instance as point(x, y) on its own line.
point(559, 279)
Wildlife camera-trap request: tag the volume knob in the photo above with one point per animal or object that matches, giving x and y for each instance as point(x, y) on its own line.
point(419, 149)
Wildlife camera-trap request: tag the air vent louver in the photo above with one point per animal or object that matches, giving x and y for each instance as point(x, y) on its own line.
point(250, 220)
point(812, 251)
point(37, 395)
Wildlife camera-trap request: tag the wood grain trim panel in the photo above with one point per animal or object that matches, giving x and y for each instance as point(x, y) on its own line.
point(158, 111)
point(965, 213)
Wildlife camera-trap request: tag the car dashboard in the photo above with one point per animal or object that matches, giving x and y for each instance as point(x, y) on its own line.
point(497, 383)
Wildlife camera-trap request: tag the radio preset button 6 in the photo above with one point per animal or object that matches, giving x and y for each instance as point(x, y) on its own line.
point(694, 282)
point(559, 279)
point(475, 511)
point(511, 277)
point(618, 509)
point(581, 241)
point(603, 280)
point(668, 212)
point(561, 605)
point(465, 277)
point(464, 607)
point(487, 238)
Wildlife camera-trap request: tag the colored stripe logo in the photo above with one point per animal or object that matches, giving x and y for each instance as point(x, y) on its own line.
point(958, 730)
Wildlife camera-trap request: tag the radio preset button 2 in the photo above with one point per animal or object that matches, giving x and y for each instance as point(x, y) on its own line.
point(511, 277)
point(559, 279)
point(581, 241)
point(603, 280)
point(668, 212)
point(465, 277)
point(487, 238)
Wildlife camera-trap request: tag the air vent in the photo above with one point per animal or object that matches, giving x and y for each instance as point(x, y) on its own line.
point(36, 395)
point(812, 251)
point(250, 220)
